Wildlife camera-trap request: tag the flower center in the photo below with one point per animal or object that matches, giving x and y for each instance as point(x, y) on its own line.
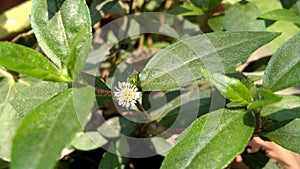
point(128, 95)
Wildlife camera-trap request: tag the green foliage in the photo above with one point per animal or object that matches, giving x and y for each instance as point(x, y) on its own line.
point(100, 7)
point(9, 120)
point(116, 126)
point(216, 23)
point(283, 69)
point(288, 30)
point(206, 5)
point(94, 81)
point(20, 21)
point(171, 110)
point(266, 6)
point(113, 161)
point(29, 62)
point(39, 131)
point(35, 95)
point(70, 35)
point(200, 145)
point(281, 14)
point(186, 9)
point(218, 51)
point(286, 109)
point(243, 17)
point(231, 88)
point(57, 110)
point(262, 98)
point(88, 141)
point(285, 133)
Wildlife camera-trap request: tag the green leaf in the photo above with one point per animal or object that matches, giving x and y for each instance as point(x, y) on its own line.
point(283, 68)
point(285, 133)
point(29, 62)
point(181, 102)
point(262, 98)
point(216, 23)
point(6, 91)
point(100, 7)
point(35, 95)
point(288, 29)
point(160, 145)
point(281, 14)
point(185, 9)
point(112, 161)
point(206, 5)
point(116, 126)
point(47, 129)
point(15, 19)
point(87, 141)
point(271, 165)
point(231, 88)
point(9, 121)
point(63, 30)
point(154, 4)
point(243, 17)
point(266, 6)
point(203, 145)
point(286, 109)
point(93, 81)
point(179, 64)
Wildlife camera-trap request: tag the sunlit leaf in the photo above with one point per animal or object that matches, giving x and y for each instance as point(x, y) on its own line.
point(202, 145)
point(288, 29)
point(9, 120)
point(262, 98)
point(285, 133)
point(216, 23)
point(63, 30)
point(281, 14)
point(287, 108)
point(47, 130)
point(29, 62)
point(186, 10)
point(283, 69)
point(218, 51)
point(35, 95)
point(88, 141)
point(231, 88)
point(243, 17)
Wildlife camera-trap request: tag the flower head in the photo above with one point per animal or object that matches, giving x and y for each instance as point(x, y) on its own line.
point(126, 94)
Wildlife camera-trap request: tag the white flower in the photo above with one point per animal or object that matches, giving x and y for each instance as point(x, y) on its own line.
point(126, 94)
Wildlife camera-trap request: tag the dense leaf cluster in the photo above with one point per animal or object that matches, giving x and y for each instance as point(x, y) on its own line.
point(47, 101)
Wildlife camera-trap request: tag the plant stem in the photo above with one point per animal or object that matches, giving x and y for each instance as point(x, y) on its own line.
point(130, 7)
point(257, 121)
point(139, 106)
point(142, 110)
point(103, 92)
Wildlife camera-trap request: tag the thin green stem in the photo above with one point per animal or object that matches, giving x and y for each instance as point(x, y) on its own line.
point(142, 110)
